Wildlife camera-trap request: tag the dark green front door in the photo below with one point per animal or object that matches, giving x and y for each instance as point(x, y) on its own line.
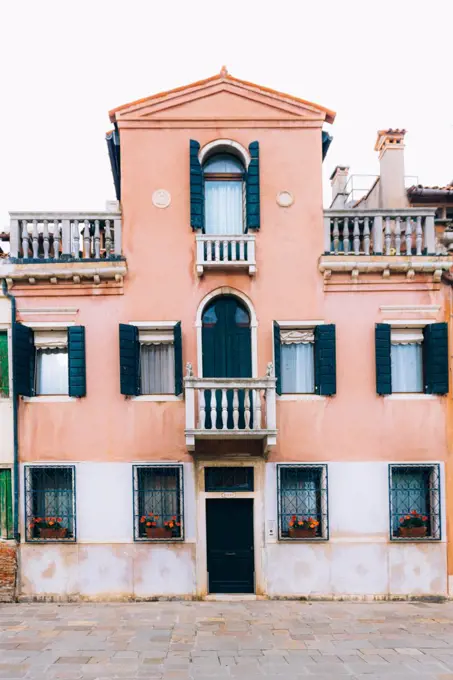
point(227, 350)
point(229, 528)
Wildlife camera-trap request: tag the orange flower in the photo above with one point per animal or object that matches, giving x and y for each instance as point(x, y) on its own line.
point(154, 524)
point(402, 519)
point(424, 518)
point(178, 524)
point(59, 519)
point(51, 522)
point(142, 519)
point(414, 512)
point(291, 524)
point(148, 524)
point(174, 517)
point(407, 517)
point(294, 517)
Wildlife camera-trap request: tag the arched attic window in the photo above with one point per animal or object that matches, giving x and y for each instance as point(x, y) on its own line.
point(224, 187)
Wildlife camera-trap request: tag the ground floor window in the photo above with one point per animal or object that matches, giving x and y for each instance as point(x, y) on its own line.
point(302, 501)
point(158, 502)
point(414, 496)
point(50, 503)
point(6, 512)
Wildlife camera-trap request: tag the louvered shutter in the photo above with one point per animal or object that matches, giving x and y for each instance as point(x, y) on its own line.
point(325, 360)
point(435, 351)
point(129, 360)
point(277, 358)
point(178, 359)
point(253, 187)
point(383, 358)
point(196, 188)
point(76, 361)
point(23, 360)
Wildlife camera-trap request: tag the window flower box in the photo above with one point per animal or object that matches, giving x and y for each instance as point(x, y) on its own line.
point(413, 525)
point(412, 532)
point(302, 533)
point(158, 532)
point(49, 532)
point(305, 527)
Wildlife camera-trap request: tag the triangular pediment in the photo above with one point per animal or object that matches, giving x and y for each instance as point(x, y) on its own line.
point(219, 98)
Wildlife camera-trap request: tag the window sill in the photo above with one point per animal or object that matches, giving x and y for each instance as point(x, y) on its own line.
point(301, 397)
point(49, 398)
point(314, 539)
point(157, 397)
point(158, 540)
point(401, 396)
point(411, 539)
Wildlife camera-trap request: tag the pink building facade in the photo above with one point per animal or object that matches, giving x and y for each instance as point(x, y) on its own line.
point(221, 387)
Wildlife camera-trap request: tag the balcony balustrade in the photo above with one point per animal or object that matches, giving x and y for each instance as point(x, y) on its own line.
point(230, 408)
point(229, 252)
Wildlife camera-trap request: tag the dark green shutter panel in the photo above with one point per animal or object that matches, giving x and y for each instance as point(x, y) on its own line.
point(76, 361)
point(23, 360)
point(178, 359)
point(6, 510)
point(383, 358)
point(4, 363)
point(196, 188)
point(253, 187)
point(325, 360)
point(436, 358)
point(129, 360)
point(277, 358)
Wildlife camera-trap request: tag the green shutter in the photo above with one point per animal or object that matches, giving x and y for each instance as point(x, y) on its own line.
point(325, 360)
point(253, 187)
point(129, 360)
point(76, 361)
point(23, 360)
point(4, 365)
point(6, 510)
point(178, 359)
point(196, 188)
point(277, 358)
point(435, 352)
point(383, 358)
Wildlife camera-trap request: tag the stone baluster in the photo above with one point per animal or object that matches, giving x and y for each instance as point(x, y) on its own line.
point(97, 239)
point(397, 235)
point(429, 235)
point(377, 235)
point(25, 239)
point(419, 235)
point(202, 409)
point(327, 236)
point(117, 237)
point(336, 236)
point(45, 239)
point(66, 245)
point(213, 410)
point(247, 408)
point(208, 251)
point(224, 409)
point(366, 235)
point(56, 239)
point(201, 257)
point(241, 250)
point(86, 239)
point(346, 241)
point(14, 238)
point(225, 251)
point(217, 251)
point(388, 236)
point(235, 409)
point(75, 239)
point(257, 409)
point(35, 239)
point(356, 236)
point(233, 250)
point(108, 240)
point(408, 236)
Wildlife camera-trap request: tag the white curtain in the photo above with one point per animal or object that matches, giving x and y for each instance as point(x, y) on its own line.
point(297, 368)
point(157, 368)
point(223, 207)
point(52, 371)
point(407, 367)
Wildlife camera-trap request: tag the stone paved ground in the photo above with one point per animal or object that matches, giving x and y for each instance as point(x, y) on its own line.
point(207, 640)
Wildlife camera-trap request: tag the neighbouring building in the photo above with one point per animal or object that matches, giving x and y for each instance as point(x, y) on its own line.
point(221, 387)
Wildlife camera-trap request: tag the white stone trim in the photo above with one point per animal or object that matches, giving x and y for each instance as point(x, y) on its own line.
point(49, 398)
point(419, 309)
point(305, 396)
point(401, 396)
point(48, 311)
point(151, 325)
point(157, 397)
point(218, 292)
point(235, 146)
point(47, 325)
point(409, 323)
point(300, 324)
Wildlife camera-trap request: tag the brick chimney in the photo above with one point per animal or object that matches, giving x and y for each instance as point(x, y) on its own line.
point(338, 181)
point(390, 146)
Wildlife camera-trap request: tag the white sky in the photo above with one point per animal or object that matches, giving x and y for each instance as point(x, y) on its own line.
point(64, 64)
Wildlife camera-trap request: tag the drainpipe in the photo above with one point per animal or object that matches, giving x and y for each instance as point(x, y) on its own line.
point(12, 299)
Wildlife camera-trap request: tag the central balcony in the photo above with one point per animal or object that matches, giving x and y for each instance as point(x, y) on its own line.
point(227, 252)
point(230, 408)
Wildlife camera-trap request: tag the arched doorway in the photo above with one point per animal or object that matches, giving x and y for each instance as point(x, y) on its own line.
point(226, 339)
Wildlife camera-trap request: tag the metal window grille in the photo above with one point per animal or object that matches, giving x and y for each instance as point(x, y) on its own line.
point(6, 512)
point(50, 503)
point(158, 502)
point(4, 365)
point(228, 478)
point(414, 490)
point(302, 494)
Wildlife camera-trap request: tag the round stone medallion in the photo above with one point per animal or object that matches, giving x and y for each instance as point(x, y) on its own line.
point(285, 199)
point(161, 198)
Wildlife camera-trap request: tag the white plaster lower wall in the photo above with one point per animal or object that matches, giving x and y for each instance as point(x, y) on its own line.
point(6, 432)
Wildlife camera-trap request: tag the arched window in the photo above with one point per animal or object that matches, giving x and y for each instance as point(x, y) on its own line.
point(224, 184)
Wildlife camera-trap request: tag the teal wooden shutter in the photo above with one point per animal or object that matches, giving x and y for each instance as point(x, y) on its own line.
point(383, 358)
point(325, 360)
point(435, 350)
point(253, 187)
point(6, 510)
point(23, 360)
point(196, 188)
point(129, 360)
point(178, 359)
point(277, 358)
point(76, 361)
point(4, 365)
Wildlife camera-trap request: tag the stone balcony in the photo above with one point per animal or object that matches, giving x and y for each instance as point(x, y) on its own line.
point(230, 408)
point(229, 252)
